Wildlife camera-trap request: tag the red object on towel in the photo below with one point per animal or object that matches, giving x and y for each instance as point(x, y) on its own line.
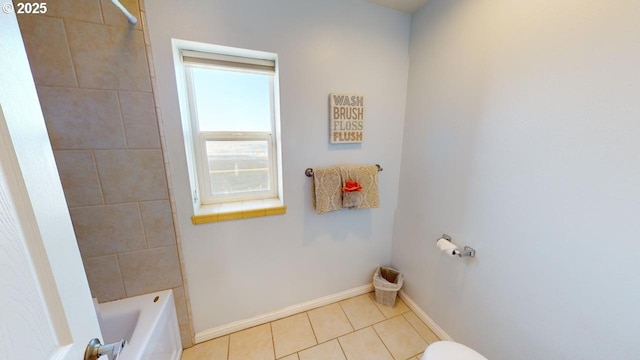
point(351, 186)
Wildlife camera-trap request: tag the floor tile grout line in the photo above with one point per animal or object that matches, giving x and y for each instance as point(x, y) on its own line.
point(379, 306)
point(410, 324)
point(353, 329)
point(341, 349)
point(416, 329)
point(228, 346)
point(307, 348)
point(346, 315)
point(372, 298)
point(336, 338)
point(384, 318)
point(383, 343)
point(273, 340)
point(376, 305)
point(312, 329)
point(296, 352)
point(379, 322)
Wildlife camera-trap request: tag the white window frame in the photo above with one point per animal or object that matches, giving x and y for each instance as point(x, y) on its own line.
point(200, 170)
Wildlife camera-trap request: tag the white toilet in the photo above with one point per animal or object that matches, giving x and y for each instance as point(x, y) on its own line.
point(449, 350)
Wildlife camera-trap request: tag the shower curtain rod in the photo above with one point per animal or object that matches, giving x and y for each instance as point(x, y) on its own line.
point(132, 19)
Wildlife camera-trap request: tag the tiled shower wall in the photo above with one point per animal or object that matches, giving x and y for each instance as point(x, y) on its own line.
point(93, 79)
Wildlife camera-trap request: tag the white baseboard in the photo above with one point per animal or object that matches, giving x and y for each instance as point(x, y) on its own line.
point(226, 329)
point(424, 317)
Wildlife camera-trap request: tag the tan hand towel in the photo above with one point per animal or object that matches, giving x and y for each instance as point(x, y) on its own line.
point(367, 177)
point(327, 190)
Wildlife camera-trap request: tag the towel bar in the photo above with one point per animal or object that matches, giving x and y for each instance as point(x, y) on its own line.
point(309, 171)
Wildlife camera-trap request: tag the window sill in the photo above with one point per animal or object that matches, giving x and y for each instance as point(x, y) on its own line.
point(238, 210)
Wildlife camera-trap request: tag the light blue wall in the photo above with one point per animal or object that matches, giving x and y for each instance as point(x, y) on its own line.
point(521, 140)
point(243, 268)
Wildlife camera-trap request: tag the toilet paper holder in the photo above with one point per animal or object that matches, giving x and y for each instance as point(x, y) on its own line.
point(466, 251)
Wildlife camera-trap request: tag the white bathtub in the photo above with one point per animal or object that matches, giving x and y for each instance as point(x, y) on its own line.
point(148, 322)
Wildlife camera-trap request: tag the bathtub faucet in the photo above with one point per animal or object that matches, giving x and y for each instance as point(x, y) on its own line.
point(95, 349)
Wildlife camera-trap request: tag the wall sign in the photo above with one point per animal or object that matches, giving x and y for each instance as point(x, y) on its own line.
point(346, 118)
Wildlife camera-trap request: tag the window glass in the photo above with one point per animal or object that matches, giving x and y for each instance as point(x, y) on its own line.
point(238, 166)
point(232, 100)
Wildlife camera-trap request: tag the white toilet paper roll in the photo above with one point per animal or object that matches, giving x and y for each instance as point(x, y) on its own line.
point(446, 246)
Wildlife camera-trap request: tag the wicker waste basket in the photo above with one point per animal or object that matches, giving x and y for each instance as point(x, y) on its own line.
point(387, 282)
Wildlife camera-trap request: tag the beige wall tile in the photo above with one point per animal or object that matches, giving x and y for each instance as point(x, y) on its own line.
point(181, 306)
point(106, 230)
point(329, 322)
point(70, 48)
point(255, 343)
point(361, 311)
point(81, 118)
point(400, 338)
point(388, 311)
point(329, 350)
point(158, 223)
point(152, 69)
point(185, 336)
point(364, 345)
point(108, 57)
point(150, 270)
point(85, 10)
point(79, 177)
point(421, 328)
point(156, 95)
point(140, 121)
point(104, 278)
point(131, 175)
point(113, 16)
point(48, 51)
point(216, 349)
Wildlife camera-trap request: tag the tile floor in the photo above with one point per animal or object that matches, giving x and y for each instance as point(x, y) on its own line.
point(353, 329)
